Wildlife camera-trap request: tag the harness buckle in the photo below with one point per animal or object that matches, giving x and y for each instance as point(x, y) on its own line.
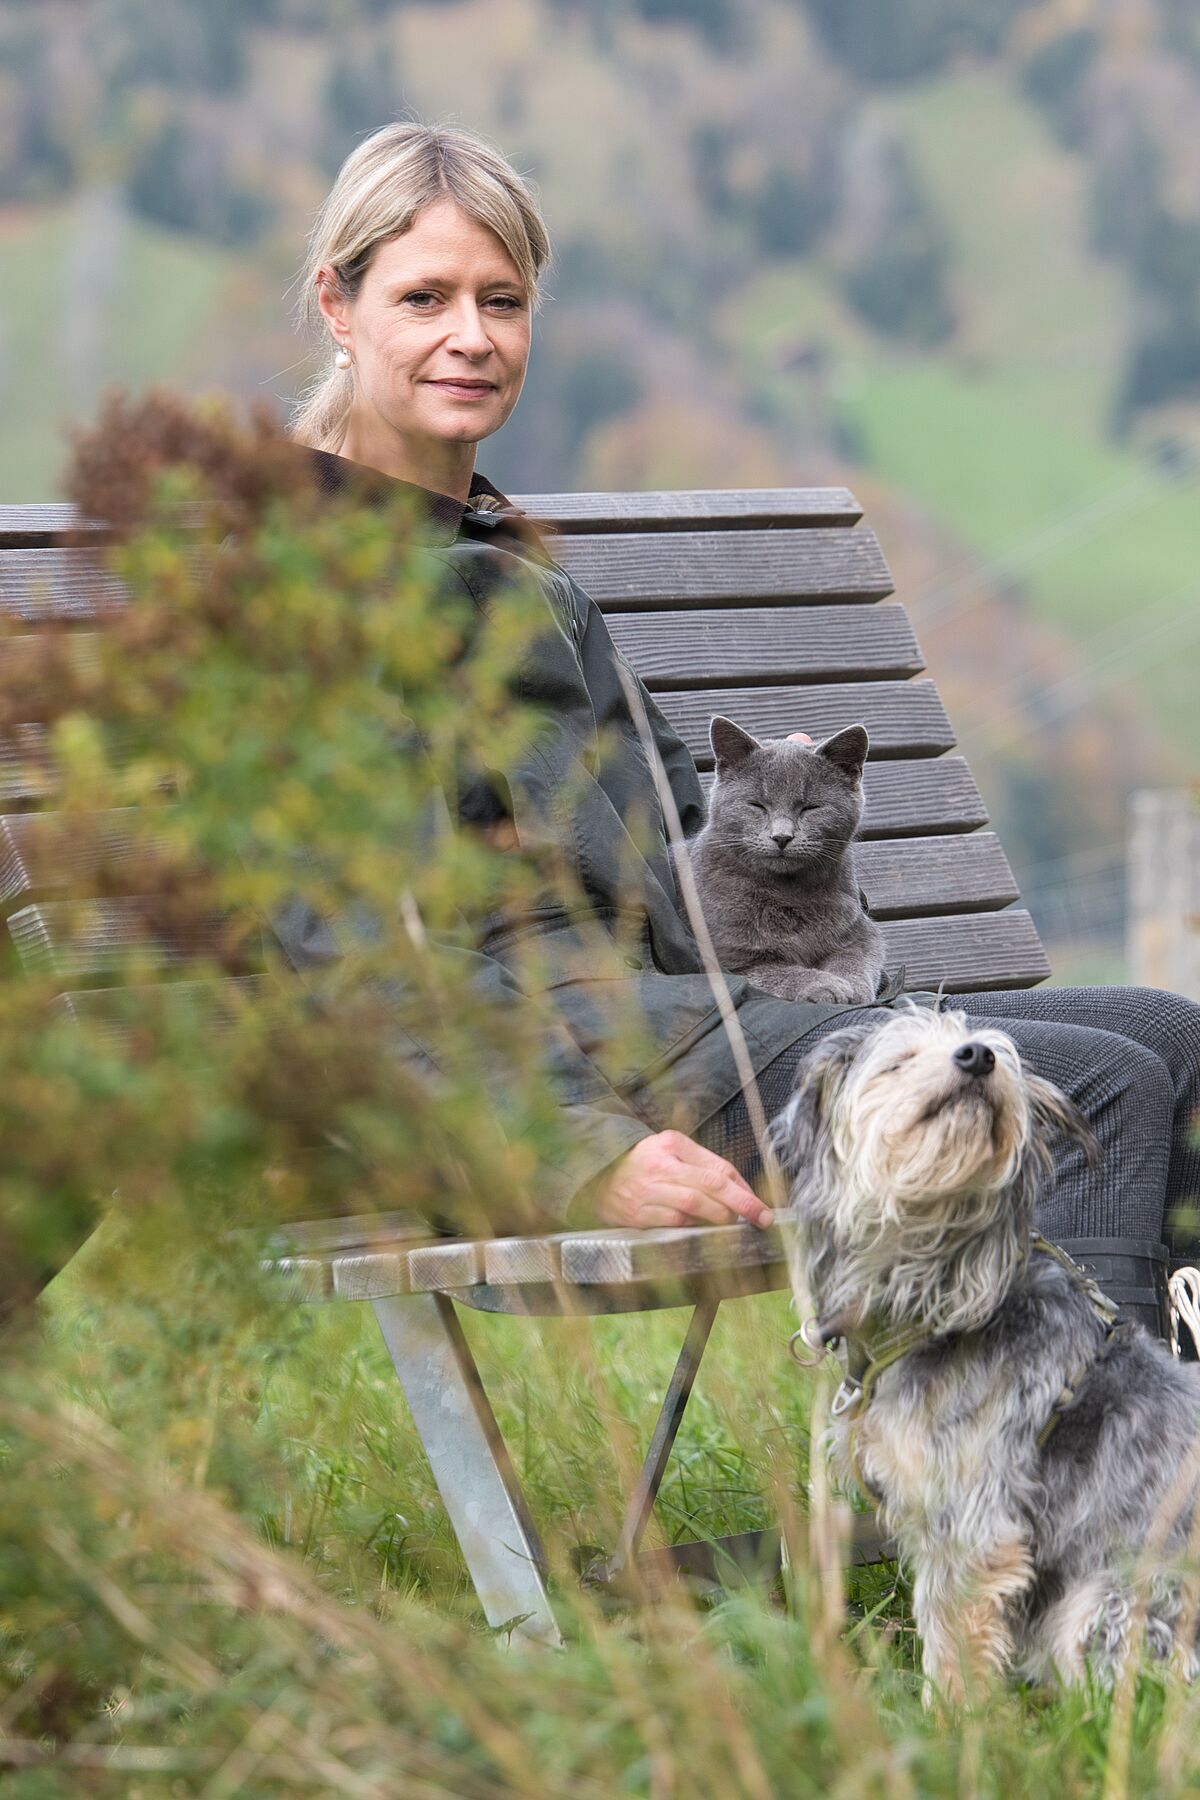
point(848, 1395)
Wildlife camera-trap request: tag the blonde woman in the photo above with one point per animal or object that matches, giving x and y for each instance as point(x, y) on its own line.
point(422, 281)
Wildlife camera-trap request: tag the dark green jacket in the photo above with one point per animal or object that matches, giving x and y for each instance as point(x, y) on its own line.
point(643, 1046)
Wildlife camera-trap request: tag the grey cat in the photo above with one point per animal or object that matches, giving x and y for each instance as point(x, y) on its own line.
point(775, 869)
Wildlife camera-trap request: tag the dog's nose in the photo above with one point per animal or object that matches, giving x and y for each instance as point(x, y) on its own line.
point(975, 1059)
point(782, 838)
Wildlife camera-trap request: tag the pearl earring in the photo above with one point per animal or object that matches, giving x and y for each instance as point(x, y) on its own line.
point(343, 359)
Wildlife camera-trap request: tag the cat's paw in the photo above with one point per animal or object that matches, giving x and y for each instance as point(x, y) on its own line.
point(830, 990)
point(806, 984)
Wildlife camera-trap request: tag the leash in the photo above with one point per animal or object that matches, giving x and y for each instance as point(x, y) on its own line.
point(867, 1358)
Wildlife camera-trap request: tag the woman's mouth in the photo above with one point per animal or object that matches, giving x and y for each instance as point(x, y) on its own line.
point(465, 390)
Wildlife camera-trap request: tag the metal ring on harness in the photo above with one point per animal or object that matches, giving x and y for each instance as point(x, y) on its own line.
point(818, 1349)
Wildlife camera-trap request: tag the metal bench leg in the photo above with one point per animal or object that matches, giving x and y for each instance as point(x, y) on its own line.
point(645, 1492)
point(470, 1461)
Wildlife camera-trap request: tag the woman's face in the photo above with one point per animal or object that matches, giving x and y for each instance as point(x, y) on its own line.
point(439, 334)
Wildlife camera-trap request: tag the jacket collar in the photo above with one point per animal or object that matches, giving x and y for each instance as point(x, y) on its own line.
point(444, 518)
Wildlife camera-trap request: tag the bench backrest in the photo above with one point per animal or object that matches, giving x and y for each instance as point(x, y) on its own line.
point(770, 606)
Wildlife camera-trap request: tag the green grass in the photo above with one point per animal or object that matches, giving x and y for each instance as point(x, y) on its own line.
point(267, 1581)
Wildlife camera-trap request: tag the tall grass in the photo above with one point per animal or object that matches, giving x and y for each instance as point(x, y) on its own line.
point(227, 1571)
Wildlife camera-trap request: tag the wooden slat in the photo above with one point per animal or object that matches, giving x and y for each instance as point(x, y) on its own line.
point(42, 853)
point(37, 523)
point(610, 1259)
point(911, 799)
point(671, 510)
point(88, 938)
point(27, 768)
point(904, 718)
point(914, 797)
point(929, 875)
point(119, 1012)
point(36, 585)
point(726, 568)
point(42, 524)
point(448, 1264)
point(976, 951)
point(767, 644)
point(371, 1275)
point(692, 509)
point(26, 671)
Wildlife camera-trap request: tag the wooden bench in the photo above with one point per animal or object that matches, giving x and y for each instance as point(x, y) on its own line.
point(768, 606)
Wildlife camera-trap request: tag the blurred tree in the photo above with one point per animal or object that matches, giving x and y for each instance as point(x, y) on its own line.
point(361, 92)
point(181, 177)
point(37, 157)
point(719, 21)
point(901, 40)
point(178, 44)
point(790, 209)
point(897, 277)
point(1053, 76)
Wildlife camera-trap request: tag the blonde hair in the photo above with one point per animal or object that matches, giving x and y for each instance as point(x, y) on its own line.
point(380, 189)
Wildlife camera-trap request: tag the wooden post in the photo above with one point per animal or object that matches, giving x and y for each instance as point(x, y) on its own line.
point(1163, 946)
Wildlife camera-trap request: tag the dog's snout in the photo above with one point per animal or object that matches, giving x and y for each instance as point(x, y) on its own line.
point(974, 1058)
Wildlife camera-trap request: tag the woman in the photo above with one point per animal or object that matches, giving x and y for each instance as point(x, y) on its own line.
point(423, 269)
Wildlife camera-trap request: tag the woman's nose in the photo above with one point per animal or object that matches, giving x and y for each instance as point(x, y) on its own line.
point(468, 333)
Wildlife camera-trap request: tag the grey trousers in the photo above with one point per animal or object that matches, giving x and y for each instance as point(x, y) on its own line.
point(1130, 1060)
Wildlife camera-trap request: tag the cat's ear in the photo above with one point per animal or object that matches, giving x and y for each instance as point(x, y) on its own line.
point(847, 750)
point(730, 744)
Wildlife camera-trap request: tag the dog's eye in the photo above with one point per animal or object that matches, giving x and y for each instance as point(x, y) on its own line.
point(890, 1068)
point(756, 806)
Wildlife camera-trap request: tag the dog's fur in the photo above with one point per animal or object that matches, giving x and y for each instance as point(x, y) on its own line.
point(915, 1185)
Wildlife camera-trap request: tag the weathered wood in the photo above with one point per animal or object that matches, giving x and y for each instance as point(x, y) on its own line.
point(694, 509)
point(726, 568)
point(39, 524)
point(449, 1263)
point(387, 1230)
point(30, 665)
point(42, 853)
point(914, 798)
point(78, 939)
point(305, 1278)
point(975, 951)
point(563, 1299)
point(767, 644)
point(371, 1275)
point(121, 1013)
point(515, 1260)
point(710, 508)
point(59, 584)
point(27, 767)
point(610, 1259)
point(930, 875)
point(904, 718)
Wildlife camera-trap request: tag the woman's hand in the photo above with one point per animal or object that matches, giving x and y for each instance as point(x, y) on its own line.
point(668, 1179)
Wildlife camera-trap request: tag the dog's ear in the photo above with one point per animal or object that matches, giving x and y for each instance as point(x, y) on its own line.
point(1054, 1115)
point(798, 1131)
point(730, 744)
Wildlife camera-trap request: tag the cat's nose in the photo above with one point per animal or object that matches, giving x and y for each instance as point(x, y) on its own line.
point(782, 838)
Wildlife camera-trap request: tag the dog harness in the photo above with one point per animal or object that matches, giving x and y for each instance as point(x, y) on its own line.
point(867, 1357)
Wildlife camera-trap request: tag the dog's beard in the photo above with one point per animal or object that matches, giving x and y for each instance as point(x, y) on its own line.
point(926, 1175)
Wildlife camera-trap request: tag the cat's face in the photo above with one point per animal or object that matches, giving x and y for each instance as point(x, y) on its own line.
point(785, 804)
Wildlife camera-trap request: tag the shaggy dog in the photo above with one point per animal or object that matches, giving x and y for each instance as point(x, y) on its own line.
point(1036, 1462)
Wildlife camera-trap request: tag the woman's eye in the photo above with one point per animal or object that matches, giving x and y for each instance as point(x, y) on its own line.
point(420, 299)
point(507, 302)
